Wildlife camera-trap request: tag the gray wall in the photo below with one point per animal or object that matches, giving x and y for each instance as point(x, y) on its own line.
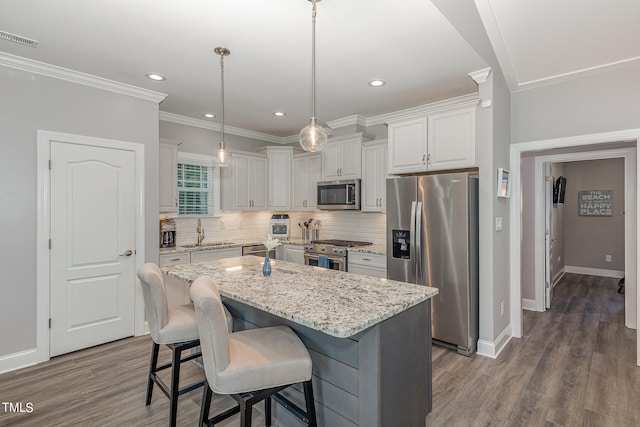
point(589, 239)
point(204, 141)
point(31, 102)
point(603, 102)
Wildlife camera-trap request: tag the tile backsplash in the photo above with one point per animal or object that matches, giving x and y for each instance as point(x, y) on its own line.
point(361, 226)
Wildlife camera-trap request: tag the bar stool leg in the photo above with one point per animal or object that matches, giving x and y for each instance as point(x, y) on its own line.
point(267, 412)
point(155, 348)
point(175, 383)
point(309, 403)
point(245, 414)
point(207, 394)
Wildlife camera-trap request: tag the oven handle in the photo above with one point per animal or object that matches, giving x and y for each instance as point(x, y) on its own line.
point(338, 260)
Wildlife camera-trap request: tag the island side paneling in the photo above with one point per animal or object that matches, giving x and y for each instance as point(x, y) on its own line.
point(365, 379)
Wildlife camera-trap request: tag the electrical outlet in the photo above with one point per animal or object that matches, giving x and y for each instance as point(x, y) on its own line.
point(502, 308)
point(607, 258)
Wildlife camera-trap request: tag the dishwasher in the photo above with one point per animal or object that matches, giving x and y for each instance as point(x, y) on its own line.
point(258, 250)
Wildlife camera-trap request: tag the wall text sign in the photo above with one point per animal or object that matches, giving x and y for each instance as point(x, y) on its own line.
point(595, 203)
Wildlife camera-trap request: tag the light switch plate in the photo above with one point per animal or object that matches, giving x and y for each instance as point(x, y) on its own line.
point(498, 223)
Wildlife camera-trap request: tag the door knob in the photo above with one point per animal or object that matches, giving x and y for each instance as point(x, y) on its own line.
point(128, 252)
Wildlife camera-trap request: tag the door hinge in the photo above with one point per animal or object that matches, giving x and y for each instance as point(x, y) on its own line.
point(49, 164)
point(49, 243)
point(49, 322)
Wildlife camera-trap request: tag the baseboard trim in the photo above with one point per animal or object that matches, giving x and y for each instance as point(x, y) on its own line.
point(594, 271)
point(21, 359)
point(528, 304)
point(493, 349)
point(559, 275)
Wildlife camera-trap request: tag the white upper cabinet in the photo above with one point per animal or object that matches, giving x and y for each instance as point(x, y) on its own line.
point(440, 140)
point(452, 139)
point(341, 158)
point(279, 183)
point(408, 145)
point(374, 176)
point(168, 180)
point(245, 183)
point(307, 171)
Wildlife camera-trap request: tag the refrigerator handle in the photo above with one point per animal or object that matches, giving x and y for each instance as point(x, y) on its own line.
point(412, 233)
point(417, 236)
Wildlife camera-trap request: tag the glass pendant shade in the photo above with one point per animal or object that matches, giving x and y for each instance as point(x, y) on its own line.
point(313, 137)
point(221, 157)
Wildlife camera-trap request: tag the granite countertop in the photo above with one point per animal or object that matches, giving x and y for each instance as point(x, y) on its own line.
point(375, 249)
point(235, 243)
point(334, 302)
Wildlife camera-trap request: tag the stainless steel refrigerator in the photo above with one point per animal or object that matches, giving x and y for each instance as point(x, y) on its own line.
point(432, 240)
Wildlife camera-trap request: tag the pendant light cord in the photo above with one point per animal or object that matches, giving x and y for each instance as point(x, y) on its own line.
point(313, 62)
point(222, 97)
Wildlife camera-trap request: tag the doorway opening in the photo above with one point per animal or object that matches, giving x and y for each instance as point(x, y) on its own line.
point(571, 146)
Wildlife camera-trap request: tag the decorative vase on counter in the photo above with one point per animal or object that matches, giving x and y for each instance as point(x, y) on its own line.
point(266, 267)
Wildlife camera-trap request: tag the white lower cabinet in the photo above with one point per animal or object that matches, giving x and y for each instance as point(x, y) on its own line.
point(200, 256)
point(367, 264)
point(292, 253)
point(177, 292)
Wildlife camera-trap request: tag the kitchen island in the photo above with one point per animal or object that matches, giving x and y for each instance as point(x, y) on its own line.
point(369, 338)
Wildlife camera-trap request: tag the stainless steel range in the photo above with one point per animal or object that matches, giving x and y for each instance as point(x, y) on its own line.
point(335, 250)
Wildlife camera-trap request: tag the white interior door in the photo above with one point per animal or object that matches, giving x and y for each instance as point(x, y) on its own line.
point(92, 245)
point(548, 236)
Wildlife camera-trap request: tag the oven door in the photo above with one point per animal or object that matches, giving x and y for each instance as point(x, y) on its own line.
point(335, 263)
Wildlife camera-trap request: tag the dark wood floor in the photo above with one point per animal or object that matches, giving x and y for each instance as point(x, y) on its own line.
point(574, 366)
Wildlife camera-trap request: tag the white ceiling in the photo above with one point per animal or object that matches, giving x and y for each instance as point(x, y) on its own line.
point(408, 43)
point(543, 41)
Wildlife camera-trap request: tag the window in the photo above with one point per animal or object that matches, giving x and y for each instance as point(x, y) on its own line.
point(198, 186)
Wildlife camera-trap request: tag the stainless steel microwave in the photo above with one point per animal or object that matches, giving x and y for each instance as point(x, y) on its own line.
point(339, 195)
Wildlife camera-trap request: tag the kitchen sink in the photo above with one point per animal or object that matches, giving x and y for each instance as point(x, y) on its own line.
point(207, 245)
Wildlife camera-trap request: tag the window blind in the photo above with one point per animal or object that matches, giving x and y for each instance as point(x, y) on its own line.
point(195, 189)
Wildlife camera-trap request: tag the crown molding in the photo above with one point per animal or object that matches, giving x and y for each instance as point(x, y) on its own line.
point(188, 121)
point(66, 74)
point(348, 121)
point(421, 110)
point(480, 76)
point(577, 74)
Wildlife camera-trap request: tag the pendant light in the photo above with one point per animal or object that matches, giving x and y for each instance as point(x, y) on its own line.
point(222, 157)
point(313, 137)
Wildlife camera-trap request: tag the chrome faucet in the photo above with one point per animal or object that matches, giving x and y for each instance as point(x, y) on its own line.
point(200, 231)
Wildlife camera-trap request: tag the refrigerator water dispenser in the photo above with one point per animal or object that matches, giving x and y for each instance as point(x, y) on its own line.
point(401, 245)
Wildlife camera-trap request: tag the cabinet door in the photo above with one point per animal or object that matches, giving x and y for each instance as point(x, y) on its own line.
point(294, 253)
point(279, 179)
point(331, 161)
point(350, 167)
point(452, 139)
point(258, 188)
point(374, 176)
point(240, 184)
point(307, 171)
point(408, 146)
point(314, 167)
point(168, 180)
point(383, 167)
point(300, 184)
point(200, 256)
point(370, 198)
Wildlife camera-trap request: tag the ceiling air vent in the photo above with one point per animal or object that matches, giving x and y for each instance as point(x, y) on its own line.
point(18, 39)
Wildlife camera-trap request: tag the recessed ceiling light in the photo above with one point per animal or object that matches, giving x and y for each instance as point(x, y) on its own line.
point(209, 115)
point(156, 77)
point(279, 114)
point(377, 83)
